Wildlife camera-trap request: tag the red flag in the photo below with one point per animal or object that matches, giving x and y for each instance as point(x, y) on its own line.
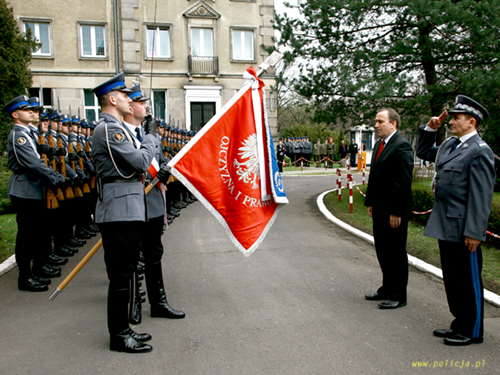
point(154, 168)
point(226, 166)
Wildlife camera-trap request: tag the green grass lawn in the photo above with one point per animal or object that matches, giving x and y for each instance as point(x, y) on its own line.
point(8, 232)
point(418, 245)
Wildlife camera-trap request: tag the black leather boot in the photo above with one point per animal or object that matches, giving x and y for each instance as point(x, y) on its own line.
point(122, 338)
point(156, 294)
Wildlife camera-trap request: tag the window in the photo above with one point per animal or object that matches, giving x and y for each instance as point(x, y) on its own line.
point(92, 109)
point(159, 104)
point(159, 42)
point(41, 33)
point(47, 95)
point(243, 45)
point(201, 42)
point(93, 43)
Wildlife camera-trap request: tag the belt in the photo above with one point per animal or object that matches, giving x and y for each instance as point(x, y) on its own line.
point(109, 180)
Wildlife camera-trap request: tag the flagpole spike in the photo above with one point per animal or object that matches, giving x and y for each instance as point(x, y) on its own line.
point(273, 59)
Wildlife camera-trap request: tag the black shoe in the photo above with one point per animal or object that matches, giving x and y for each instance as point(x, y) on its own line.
point(142, 337)
point(42, 280)
point(163, 310)
point(375, 297)
point(75, 242)
point(94, 227)
point(125, 342)
point(81, 235)
point(391, 304)
point(460, 340)
point(73, 250)
point(141, 277)
point(142, 292)
point(61, 251)
point(443, 333)
point(89, 232)
point(140, 268)
point(56, 260)
point(47, 271)
point(31, 285)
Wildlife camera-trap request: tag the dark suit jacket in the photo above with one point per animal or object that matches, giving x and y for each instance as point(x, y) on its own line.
point(389, 184)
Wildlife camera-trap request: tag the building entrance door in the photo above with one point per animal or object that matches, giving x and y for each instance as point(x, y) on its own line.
point(201, 113)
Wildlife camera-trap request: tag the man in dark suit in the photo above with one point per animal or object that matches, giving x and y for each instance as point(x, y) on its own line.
point(388, 199)
point(463, 190)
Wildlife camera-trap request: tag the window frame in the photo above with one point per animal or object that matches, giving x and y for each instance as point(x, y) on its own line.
point(253, 30)
point(96, 108)
point(104, 25)
point(36, 54)
point(214, 45)
point(160, 26)
point(153, 104)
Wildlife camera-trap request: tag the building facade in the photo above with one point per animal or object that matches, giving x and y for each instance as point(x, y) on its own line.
point(188, 55)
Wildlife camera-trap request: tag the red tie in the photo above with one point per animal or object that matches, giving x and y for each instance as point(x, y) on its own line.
point(380, 148)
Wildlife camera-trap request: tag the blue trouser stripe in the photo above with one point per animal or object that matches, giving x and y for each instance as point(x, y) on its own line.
point(477, 291)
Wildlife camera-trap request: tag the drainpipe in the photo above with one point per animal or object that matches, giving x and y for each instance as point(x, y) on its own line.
point(115, 17)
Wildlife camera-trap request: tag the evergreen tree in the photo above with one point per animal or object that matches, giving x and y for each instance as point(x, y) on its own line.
point(15, 57)
point(413, 55)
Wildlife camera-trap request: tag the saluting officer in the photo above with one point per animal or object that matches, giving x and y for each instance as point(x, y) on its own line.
point(27, 192)
point(120, 209)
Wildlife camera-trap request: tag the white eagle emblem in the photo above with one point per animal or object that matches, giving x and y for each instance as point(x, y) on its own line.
point(248, 170)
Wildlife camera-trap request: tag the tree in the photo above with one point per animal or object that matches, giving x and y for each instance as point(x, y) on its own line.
point(413, 55)
point(15, 57)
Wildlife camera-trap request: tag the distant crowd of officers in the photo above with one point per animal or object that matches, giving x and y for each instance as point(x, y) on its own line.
point(301, 149)
point(61, 173)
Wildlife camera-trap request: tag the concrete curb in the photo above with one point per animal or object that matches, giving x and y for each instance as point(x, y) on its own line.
point(8, 264)
point(491, 297)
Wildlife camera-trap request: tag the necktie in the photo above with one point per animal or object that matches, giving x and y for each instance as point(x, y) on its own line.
point(138, 131)
point(454, 145)
point(380, 148)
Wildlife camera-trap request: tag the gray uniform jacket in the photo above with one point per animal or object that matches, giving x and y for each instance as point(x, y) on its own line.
point(30, 172)
point(116, 157)
point(308, 148)
point(155, 199)
point(465, 179)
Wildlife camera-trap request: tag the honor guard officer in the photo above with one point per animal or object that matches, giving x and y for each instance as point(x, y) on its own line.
point(27, 192)
point(152, 247)
point(120, 209)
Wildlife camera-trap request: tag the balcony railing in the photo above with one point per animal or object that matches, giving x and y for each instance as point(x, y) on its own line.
point(203, 65)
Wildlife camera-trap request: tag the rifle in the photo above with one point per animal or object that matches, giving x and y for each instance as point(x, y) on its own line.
point(50, 141)
point(68, 191)
point(51, 197)
point(71, 150)
point(87, 151)
point(85, 186)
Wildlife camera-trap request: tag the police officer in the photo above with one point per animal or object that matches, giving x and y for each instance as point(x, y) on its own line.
point(280, 154)
point(120, 209)
point(27, 192)
point(353, 151)
point(463, 192)
point(152, 247)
